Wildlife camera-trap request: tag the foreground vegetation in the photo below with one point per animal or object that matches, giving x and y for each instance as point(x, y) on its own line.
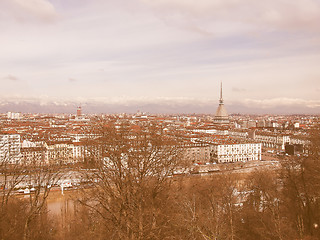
point(134, 196)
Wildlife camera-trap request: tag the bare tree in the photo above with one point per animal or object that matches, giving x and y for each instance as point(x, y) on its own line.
point(209, 207)
point(263, 212)
point(301, 178)
point(40, 178)
point(131, 169)
point(11, 175)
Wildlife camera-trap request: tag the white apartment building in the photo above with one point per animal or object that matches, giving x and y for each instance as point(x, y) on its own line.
point(78, 151)
point(299, 141)
point(273, 141)
point(221, 152)
point(34, 153)
point(224, 153)
point(60, 153)
point(10, 148)
point(13, 115)
point(239, 134)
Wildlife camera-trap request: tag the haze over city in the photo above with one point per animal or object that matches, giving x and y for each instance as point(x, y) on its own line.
point(160, 56)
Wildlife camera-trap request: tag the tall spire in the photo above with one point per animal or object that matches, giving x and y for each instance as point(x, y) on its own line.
point(221, 116)
point(221, 99)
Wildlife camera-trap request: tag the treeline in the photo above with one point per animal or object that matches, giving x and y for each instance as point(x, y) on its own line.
point(134, 195)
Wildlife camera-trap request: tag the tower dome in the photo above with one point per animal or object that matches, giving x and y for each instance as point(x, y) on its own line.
point(221, 116)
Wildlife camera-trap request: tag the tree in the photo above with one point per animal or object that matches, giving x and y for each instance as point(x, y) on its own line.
point(40, 178)
point(263, 214)
point(210, 207)
point(131, 169)
point(11, 175)
point(301, 179)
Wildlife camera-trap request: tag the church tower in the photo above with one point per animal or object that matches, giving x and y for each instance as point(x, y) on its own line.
point(221, 116)
point(79, 111)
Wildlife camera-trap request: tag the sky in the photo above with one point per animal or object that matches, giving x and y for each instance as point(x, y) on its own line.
point(161, 56)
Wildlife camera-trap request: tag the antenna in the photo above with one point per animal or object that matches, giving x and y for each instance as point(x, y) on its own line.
point(221, 99)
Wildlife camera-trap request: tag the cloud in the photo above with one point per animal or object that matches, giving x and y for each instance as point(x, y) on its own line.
point(72, 79)
point(215, 15)
point(143, 53)
point(280, 102)
point(22, 10)
point(159, 105)
point(11, 78)
point(235, 89)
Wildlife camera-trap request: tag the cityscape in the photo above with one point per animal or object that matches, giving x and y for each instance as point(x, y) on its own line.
point(157, 119)
point(62, 138)
point(61, 160)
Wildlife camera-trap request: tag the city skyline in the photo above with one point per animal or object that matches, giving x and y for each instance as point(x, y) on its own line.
point(160, 56)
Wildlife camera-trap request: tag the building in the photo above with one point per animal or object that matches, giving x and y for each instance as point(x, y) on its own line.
point(60, 152)
point(10, 148)
point(225, 153)
point(196, 152)
point(79, 111)
point(13, 115)
point(272, 140)
point(221, 116)
point(34, 153)
point(220, 149)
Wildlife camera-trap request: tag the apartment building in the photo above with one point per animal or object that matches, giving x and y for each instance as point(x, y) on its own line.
point(60, 152)
point(196, 152)
point(10, 148)
point(272, 141)
point(225, 153)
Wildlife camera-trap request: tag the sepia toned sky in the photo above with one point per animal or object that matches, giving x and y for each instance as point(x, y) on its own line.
point(162, 53)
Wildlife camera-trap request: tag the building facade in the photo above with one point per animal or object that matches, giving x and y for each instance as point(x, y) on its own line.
point(225, 153)
point(10, 148)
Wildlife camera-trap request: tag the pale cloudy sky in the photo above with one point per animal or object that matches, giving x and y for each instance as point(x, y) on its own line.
point(162, 52)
